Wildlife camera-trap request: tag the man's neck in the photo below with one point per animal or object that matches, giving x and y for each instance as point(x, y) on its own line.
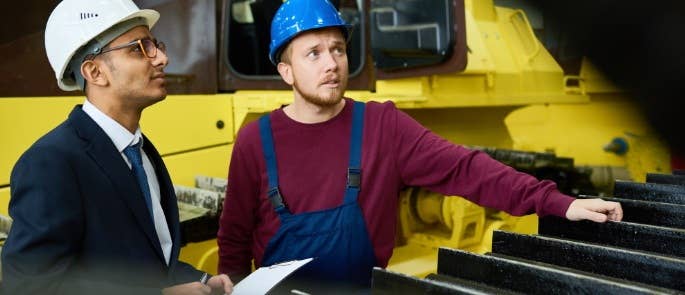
point(127, 117)
point(308, 113)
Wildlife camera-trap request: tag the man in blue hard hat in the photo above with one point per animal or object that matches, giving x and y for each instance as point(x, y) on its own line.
point(321, 177)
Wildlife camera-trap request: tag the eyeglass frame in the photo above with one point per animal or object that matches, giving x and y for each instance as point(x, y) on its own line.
point(158, 46)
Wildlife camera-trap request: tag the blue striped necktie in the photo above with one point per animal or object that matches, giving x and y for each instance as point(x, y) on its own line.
point(134, 155)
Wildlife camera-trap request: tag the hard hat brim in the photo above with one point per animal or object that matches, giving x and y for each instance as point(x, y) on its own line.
point(275, 57)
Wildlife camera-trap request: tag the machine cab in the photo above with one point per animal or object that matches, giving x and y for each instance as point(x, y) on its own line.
point(389, 39)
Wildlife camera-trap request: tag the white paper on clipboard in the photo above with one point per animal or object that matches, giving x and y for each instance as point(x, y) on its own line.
point(266, 277)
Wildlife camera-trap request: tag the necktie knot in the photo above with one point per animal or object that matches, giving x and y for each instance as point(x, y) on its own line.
point(133, 154)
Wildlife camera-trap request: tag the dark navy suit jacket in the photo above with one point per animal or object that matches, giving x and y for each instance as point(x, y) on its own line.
point(81, 225)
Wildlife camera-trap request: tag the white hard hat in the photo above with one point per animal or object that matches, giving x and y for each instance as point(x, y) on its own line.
point(75, 23)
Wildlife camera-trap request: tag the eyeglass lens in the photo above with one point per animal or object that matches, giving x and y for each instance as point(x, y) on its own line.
point(151, 48)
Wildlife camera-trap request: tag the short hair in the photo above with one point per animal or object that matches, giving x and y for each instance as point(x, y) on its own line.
point(286, 53)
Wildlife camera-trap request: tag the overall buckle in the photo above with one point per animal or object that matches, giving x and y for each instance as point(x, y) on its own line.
point(275, 197)
point(354, 177)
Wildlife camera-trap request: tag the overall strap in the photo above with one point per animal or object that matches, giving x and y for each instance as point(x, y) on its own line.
point(274, 193)
point(354, 169)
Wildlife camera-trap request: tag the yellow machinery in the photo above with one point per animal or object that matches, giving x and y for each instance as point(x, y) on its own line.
point(510, 94)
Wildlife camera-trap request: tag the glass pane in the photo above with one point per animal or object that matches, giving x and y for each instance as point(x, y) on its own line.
point(249, 28)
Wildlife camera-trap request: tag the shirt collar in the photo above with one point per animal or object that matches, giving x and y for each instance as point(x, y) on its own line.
point(119, 135)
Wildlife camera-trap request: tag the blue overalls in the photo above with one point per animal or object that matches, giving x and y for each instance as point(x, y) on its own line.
point(336, 237)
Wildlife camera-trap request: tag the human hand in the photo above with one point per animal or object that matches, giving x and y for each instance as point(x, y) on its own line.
point(596, 210)
point(220, 284)
point(194, 288)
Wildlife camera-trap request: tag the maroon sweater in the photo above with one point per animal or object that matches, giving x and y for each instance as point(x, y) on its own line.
point(396, 152)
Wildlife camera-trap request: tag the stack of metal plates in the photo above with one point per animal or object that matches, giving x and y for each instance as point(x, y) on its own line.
point(643, 254)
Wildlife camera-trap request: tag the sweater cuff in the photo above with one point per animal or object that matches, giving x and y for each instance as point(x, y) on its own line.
point(556, 204)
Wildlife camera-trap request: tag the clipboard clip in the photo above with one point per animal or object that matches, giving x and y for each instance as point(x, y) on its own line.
point(285, 263)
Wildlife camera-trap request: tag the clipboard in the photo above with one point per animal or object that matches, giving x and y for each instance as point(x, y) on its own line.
point(266, 277)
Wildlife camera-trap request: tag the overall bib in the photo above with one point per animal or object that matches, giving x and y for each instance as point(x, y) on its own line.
point(336, 237)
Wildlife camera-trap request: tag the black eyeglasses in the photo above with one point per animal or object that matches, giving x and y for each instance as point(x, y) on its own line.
point(147, 46)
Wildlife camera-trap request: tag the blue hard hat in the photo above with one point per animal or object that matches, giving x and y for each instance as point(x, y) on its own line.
point(297, 16)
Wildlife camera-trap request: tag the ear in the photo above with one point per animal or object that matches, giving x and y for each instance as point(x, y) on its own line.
point(93, 73)
point(286, 72)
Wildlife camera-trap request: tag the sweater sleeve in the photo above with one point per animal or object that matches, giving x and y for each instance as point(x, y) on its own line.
point(427, 160)
point(237, 222)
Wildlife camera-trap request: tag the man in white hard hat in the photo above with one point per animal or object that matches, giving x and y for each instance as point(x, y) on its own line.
point(93, 205)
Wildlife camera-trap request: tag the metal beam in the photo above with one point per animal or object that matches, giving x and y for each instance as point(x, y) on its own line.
point(666, 178)
point(653, 213)
point(664, 193)
point(631, 265)
point(658, 239)
point(531, 278)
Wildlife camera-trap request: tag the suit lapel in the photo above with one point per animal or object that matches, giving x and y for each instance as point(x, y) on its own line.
point(101, 149)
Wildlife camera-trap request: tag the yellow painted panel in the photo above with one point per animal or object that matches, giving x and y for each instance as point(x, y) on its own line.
point(470, 126)
point(248, 105)
point(415, 260)
point(477, 28)
point(579, 131)
point(186, 122)
point(202, 255)
point(408, 88)
point(208, 162)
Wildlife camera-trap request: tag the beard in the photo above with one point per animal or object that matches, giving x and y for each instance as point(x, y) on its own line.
point(329, 99)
